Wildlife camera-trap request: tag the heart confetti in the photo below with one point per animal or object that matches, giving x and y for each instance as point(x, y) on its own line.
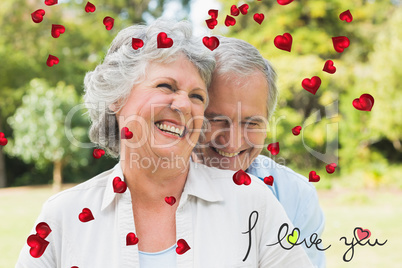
point(170, 200)
point(362, 233)
point(340, 43)
point(90, 8)
point(269, 180)
point(137, 43)
point(131, 239)
point(50, 2)
point(313, 177)
point(329, 67)
point(211, 23)
point(346, 16)
point(311, 85)
point(284, 2)
point(364, 103)
point(37, 245)
point(108, 22)
point(234, 11)
point(126, 133)
point(273, 148)
point(51, 60)
point(164, 41)
point(241, 177)
point(210, 42)
point(119, 186)
point(3, 139)
point(86, 215)
point(296, 130)
point(258, 17)
point(43, 229)
point(330, 168)
point(213, 13)
point(57, 30)
point(284, 41)
point(243, 9)
point(97, 153)
point(182, 247)
point(37, 16)
point(230, 21)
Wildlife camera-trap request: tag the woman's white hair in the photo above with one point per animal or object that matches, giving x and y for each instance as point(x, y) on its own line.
point(237, 56)
point(111, 82)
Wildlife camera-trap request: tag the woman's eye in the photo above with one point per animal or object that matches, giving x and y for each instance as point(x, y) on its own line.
point(165, 85)
point(197, 96)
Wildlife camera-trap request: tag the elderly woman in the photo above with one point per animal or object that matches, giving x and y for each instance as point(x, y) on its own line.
point(156, 208)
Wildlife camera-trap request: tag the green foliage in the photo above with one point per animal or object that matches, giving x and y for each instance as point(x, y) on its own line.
point(38, 126)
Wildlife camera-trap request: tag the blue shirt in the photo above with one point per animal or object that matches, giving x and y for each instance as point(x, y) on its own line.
point(299, 199)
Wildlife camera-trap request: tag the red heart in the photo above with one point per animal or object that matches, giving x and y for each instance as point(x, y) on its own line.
point(346, 16)
point(137, 43)
point(119, 186)
point(86, 215)
point(38, 245)
point(340, 43)
point(57, 30)
point(241, 177)
point(362, 233)
point(98, 153)
point(330, 168)
point(258, 17)
point(50, 2)
point(51, 60)
point(164, 41)
point(213, 13)
point(296, 130)
point(284, 41)
point(269, 180)
point(125, 133)
point(364, 103)
point(170, 200)
point(311, 85)
point(230, 21)
point(211, 42)
point(313, 177)
point(234, 11)
point(284, 2)
point(3, 139)
point(108, 22)
point(211, 23)
point(37, 16)
point(90, 7)
point(273, 148)
point(329, 67)
point(243, 9)
point(131, 239)
point(182, 246)
point(43, 229)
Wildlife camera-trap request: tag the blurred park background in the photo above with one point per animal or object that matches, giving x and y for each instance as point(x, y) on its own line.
point(364, 190)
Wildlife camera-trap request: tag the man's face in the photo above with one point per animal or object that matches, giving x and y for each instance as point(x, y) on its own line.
point(237, 115)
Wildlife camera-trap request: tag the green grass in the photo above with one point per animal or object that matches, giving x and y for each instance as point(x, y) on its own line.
point(378, 211)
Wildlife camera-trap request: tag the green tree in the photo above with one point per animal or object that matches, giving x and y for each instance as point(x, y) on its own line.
point(39, 131)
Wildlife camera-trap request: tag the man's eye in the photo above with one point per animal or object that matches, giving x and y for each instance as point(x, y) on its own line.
point(217, 120)
point(251, 124)
point(197, 96)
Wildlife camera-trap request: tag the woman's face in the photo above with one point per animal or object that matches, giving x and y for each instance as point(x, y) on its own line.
point(164, 112)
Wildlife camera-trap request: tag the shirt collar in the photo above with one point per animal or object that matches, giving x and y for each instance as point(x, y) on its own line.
point(199, 183)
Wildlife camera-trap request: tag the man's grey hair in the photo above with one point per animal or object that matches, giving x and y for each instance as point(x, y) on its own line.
point(237, 56)
point(123, 67)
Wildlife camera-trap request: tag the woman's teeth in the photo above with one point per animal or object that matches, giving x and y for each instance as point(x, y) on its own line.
point(226, 154)
point(170, 129)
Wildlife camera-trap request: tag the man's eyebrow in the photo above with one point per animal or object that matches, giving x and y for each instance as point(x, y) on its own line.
point(258, 119)
point(211, 115)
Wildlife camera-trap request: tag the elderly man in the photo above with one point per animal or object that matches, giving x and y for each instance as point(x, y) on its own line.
point(242, 98)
